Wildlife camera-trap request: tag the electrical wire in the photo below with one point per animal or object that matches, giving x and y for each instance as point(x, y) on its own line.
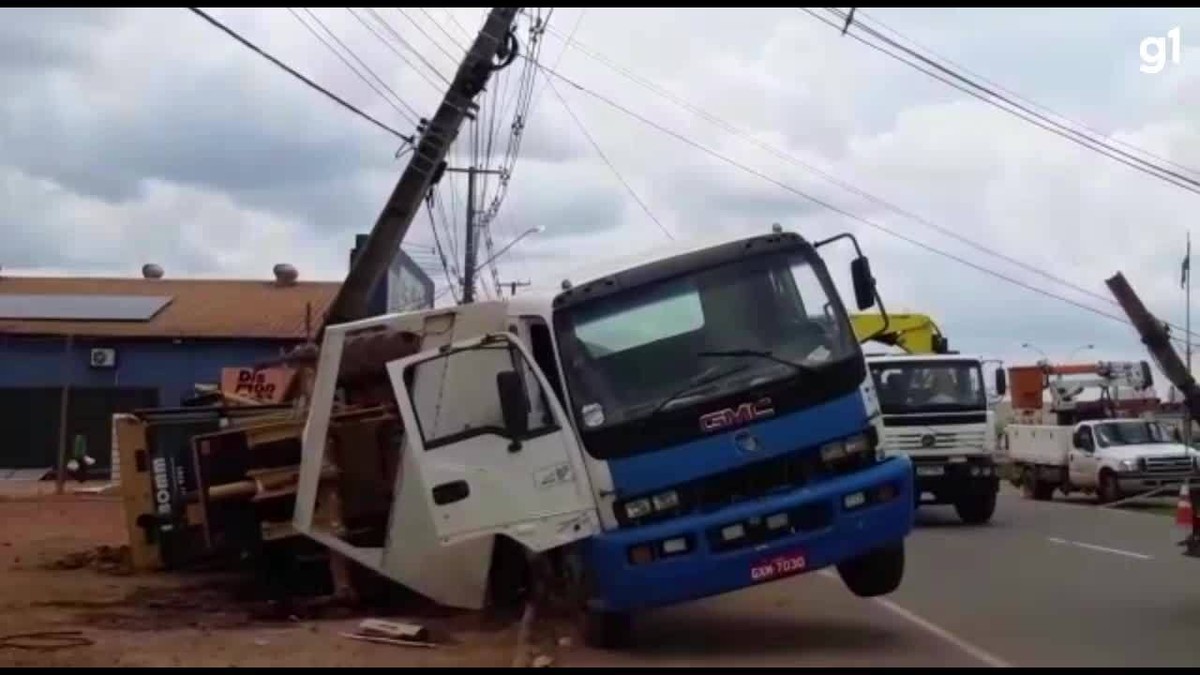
point(831, 207)
point(420, 73)
point(1033, 117)
point(743, 134)
point(595, 146)
point(453, 61)
point(1028, 101)
point(288, 69)
point(399, 38)
point(338, 54)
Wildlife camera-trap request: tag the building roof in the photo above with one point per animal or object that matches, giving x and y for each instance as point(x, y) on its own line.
point(199, 308)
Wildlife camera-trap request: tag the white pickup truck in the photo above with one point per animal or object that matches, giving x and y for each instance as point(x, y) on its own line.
point(1110, 458)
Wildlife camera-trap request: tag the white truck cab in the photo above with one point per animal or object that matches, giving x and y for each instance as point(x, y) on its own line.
point(936, 411)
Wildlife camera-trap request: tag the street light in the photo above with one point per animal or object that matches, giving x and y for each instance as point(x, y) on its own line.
point(519, 237)
point(1026, 345)
point(1080, 349)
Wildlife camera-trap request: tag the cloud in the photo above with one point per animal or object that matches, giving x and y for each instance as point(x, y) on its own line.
point(147, 135)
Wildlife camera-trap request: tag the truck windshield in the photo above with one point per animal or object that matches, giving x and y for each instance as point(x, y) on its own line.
point(1109, 434)
point(922, 386)
point(626, 353)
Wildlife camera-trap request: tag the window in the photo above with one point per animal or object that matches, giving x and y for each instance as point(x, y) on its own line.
point(922, 385)
point(455, 395)
point(673, 310)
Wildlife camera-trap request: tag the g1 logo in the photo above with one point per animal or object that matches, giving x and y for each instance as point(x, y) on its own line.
point(1153, 51)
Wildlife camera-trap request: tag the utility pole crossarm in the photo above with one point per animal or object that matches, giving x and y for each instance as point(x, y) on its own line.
point(368, 268)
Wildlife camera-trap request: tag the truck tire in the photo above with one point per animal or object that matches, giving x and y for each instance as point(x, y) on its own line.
point(976, 508)
point(607, 630)
point(1108, 490)
point(1032, 488)
point(878, 572)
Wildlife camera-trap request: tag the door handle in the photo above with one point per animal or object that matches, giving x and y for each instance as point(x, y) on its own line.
point(448, 493)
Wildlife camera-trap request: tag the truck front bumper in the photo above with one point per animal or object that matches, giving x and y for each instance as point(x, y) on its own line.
point(948, 479)
point(826, 526)
point(1144, 482)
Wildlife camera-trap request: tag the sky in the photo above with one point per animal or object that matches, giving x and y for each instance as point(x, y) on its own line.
point(147, 135)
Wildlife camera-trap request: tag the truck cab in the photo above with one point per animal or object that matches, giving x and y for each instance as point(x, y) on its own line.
point(936, 412)
point(1120, 457)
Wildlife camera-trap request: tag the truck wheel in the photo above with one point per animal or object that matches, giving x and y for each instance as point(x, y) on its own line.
point(1032, 488)
point(876, 573)
point(607, 630)
point(976, 508)
point(1109, 490)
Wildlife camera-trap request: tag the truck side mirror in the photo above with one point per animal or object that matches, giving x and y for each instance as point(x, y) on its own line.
point(514, 405)
point(864, 283)
point(1177, 435)
point(1001, 382)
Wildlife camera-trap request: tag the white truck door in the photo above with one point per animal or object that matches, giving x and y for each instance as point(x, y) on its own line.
point(495, 453)
point(1081, 461)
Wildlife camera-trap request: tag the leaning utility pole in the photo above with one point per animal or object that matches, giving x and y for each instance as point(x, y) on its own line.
point(428, 161)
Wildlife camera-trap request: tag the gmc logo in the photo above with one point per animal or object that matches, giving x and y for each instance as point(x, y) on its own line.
point(744, 413)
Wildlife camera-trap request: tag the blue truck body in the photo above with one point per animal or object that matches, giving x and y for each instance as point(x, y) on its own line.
point(832, 533)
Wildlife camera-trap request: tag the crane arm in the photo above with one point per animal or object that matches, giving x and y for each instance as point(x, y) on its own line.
point(914, 333)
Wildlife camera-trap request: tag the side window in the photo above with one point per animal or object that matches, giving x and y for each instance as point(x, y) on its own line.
point(1089, 442)
point(455, 396)
point(542, 346)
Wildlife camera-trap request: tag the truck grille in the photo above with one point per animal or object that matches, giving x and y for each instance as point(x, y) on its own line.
point(749, 482)
point(914, 440)
point(1168, 464)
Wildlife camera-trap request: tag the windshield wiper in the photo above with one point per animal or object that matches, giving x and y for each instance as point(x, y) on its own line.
point(708, 376)
point(762, 354)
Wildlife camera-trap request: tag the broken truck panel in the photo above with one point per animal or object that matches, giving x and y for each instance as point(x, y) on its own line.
point(421, 503)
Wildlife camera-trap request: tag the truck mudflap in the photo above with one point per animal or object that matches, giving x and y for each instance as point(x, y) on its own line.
point(697, 556)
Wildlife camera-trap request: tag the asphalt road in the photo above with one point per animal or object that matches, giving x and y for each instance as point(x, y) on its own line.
point(1044, 584)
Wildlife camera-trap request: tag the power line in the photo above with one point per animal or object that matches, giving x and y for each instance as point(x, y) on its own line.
point(829, 206)
point(438, 26)
point(741, 133)
point(420, 57)
point(395, 51)
point(1026, 100)
point(611, 167)
point(338, 54)
point(437, 44)
point(250, 45)
point(1033, 117)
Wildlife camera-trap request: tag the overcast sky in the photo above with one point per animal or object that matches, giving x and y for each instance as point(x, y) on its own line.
point(147, 135)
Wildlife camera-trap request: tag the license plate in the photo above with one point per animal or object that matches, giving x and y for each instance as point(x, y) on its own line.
point(778, 566)
point(930, 470)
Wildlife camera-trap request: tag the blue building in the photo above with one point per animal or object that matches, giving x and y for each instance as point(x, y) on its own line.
point(120, 344)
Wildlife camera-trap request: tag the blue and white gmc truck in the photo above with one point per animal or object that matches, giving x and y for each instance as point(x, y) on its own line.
point(687, 424)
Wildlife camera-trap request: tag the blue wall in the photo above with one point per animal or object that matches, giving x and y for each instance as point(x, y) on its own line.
point(171, 368)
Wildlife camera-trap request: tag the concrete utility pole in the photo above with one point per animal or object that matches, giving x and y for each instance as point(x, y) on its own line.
point(428, 160)
point(1187, 280)
point(471, 249)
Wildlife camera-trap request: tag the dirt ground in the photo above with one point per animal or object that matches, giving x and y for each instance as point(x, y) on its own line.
point(62, 568)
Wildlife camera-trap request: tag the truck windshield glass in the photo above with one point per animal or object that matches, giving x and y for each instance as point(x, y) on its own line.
point(921, 386)
point(1109, 434)
point(624, 353)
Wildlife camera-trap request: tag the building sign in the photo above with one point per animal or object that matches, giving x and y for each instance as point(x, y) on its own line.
point(270, 385)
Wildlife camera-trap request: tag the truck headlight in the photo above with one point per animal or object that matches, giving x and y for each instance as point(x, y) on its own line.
point(858, 444)
point(637, 508)
point(1128, 465)
point(666, 500)
point(831, 452)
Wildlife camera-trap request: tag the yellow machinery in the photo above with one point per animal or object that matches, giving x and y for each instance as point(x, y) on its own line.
point(914, 333)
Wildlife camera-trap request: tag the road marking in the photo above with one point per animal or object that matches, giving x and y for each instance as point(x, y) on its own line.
point(968, 648)
point(1105, 549)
